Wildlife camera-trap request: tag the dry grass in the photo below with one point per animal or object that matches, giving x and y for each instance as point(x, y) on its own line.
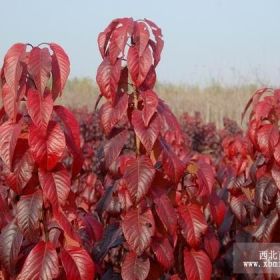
point(214, 102)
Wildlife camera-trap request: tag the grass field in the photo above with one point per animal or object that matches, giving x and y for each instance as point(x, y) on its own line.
point(214, 102)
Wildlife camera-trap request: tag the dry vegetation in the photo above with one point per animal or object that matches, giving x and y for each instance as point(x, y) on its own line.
point(214, 101)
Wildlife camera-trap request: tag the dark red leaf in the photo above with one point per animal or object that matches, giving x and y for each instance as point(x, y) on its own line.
point(10, 243)
point(265, 193)
point(72, 136)
point(192, 222)
point(267, 137)
point(197, 265)
point(211, 245)
point(267, 227)
point(205, 178)
point(60, 68)
point(237, 205)
point(47, 150)
point(41, 263)
point(39, 108)
point(108, 77)
point(9, 133)
point(29, 210)
point(39, 67)
point(134, 268)
point(139, 66)
point(13, 66)
point(166, 213)
point(163, 251)
point(150, 80)
point(139, 175)
point(147, 135)
point(110, 115)
point(55, 185)
point(217, 209)
point(23, 169)
point(138, 229)
point(172, 165)
point(150, 101)
point(77, 264)
point(113, 147)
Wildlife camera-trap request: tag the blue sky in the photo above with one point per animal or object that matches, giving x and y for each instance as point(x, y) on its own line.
point(230, 41)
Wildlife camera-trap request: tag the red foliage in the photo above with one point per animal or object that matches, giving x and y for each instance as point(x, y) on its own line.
point(125, 193)
point(39, 225)
point(155, 194)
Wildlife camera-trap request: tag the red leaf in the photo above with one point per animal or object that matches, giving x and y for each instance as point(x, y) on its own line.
point(65, 225)
point(13, 66)
point(77, 264)
point(119, 38)
point(142, 36)
point(193, 223)
point(150, 101)
point(47, 150)
point(103, 37)
point(110, 115)
point(205, 178)
point(150, 80)
point(29, 210)
point(237, 205)
point(217, 209)
point(147, 135)
point(139, 66)
point(262, 110)
point(23, 169)
point(9, 133)
point(139, 175)
point(39, 67)
point(60, 68)
point(138, 229)
point(197, 265)
point(168, 120)
point(211, 245)
point(41, 263)
point(39, 108)
point(55, 185)
point(107, 78)
point(10, 243)
point(135, 268)
point(10, 102)
point(166, 213)
point(267, 137)
point(159, 41)
point(164, 252)
point(72, 136)
point(172, 165)
point(114, 146)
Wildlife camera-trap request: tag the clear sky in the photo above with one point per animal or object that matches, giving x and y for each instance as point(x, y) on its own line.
point(230, 41)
